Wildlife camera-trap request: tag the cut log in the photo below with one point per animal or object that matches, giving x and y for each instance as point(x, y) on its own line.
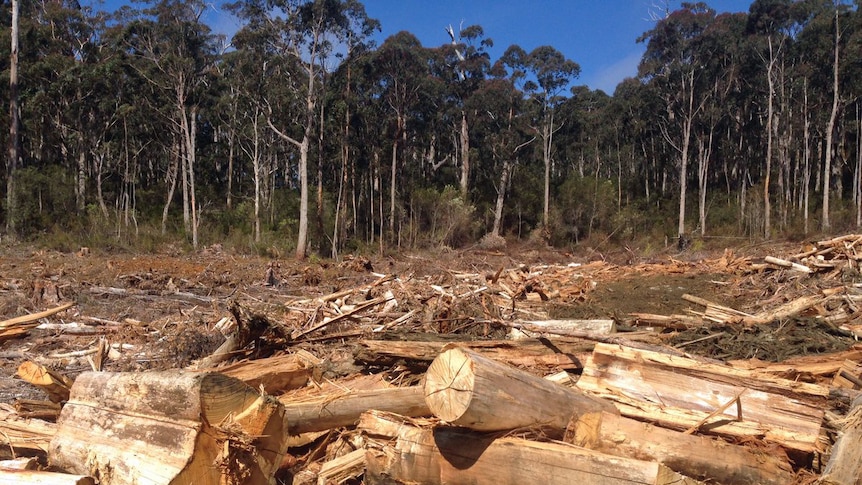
point(464, 388)
point(789, 309)
point(169, 427)
point(54, 384)
point(276, 374)
point(530, 353)
point(597, 326)
point(680, 393)
point(693, 456)
point(28, 319)
point(718, 313)
point(845, 466)
point(817, 365)
point(344, 407)
point(35, 477)
point(402, 453)
point(788, 264)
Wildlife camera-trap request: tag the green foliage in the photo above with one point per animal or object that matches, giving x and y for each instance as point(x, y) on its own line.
point(442, 218)
point(118, 96)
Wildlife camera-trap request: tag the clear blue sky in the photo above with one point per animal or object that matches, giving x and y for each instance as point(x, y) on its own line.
point(600, 35)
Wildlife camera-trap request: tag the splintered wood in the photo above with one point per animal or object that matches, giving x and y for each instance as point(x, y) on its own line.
point(480, 375)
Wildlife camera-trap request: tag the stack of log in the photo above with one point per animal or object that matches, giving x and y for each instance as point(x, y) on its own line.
point(553, 401)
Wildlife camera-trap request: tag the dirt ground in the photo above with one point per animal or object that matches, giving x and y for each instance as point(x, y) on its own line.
point(159, 311)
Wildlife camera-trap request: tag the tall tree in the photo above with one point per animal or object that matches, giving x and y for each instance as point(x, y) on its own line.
point(12, 161)
point(401, 68)
point(547, 73)
point(672, 61)
point(771, 23)
point(466, 63)
point(303, 33)
point(176, 51)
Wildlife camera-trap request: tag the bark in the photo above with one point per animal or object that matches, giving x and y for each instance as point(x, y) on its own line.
point(464, 388)
point(465, 157)
point(344, 408)
point(403, 453)
point(171, 428)
point(501, 196)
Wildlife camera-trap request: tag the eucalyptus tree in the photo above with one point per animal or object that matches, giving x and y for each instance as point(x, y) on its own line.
point(298, 37)
point(44, 107)
point(175, 51)
point(772, 25)
point(722, 55)
point(12, 161)
point(543, 75)
point(400, 70)
point(673, 62)
point(464, 67)
point(502, 125)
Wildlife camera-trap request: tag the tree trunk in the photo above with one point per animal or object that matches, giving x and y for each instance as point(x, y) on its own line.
point(688, 122)
point(465, 157)
point(767, 209)
point(501, 196)
point(402, 453)
point(320, 159)
point(192, 149)
point(255, 161)
point(230, 156)
point(704, 152)
point(12, 163)
point(806, 155)
point(173, 170)
point(465, 388)
point(81, 176)
point(547, 134)
point(171, 428)
point(830, 128)
point(302, 234)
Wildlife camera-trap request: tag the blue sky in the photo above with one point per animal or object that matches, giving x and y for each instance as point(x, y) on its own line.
point(600, 35)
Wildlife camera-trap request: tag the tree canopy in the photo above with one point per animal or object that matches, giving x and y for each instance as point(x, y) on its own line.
point(142, 127)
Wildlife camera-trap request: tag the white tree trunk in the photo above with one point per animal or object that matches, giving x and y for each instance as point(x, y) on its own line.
point(830, 128)
point(12, 163)
point(465, 157)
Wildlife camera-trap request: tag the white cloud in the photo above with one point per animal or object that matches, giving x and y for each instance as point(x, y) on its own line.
point(610, 75)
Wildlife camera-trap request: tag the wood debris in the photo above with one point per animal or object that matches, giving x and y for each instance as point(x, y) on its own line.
point(447, 376)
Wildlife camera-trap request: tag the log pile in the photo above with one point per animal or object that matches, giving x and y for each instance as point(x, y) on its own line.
point(338, 387)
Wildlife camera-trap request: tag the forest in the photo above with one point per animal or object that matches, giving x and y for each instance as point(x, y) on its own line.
point(141, 127)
